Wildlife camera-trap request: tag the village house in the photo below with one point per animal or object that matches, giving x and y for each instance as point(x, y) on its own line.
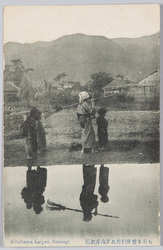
point(148, 87)
point(60, 86)
point(10, 90)
point(117, 86)
point(65, 85)
point(68, 85)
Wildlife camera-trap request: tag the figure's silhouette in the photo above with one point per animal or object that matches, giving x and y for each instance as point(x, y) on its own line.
point(103, 180)
point(88, 200)
point(35, 186)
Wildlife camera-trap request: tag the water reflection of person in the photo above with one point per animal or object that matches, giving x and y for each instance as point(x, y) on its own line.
point(88, 200)
point(35, 186)
point(103, 181)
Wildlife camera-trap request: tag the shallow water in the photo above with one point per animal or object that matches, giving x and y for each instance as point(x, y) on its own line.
point(133, 197)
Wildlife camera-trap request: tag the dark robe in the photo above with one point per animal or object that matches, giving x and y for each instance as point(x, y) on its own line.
point(102, 131)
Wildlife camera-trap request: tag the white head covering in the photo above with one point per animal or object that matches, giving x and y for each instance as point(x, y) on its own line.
point(83, 96)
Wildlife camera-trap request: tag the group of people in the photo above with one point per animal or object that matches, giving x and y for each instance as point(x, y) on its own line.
point(35, 143)
point(86, 113)
point(36, 180)
point(34, 132)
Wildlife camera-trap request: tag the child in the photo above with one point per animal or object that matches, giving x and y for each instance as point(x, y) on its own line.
point(102, 128)
point(33, 130)
point(41, 140)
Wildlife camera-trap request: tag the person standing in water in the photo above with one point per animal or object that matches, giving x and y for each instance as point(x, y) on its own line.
point(86, 113)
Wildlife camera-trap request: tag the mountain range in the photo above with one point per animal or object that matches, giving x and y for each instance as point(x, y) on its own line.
point(79, 56)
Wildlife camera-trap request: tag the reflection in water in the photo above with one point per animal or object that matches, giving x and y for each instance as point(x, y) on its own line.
point(103, 180)
point(35, 186)
point(88, 200)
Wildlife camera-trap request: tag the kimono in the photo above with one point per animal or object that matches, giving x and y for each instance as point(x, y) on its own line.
point(102, 131)
point(41, 140)
point(85, 116)
point(34, 132)
point(28, 129)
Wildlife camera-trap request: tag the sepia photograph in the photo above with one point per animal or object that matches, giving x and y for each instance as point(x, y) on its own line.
point(73, 97)
point(81, 125)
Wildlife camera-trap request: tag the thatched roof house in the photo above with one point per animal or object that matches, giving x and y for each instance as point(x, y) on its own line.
point(10, 89)
point(116, 86)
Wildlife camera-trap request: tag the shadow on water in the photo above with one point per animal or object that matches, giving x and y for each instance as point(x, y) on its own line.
point(32, 194)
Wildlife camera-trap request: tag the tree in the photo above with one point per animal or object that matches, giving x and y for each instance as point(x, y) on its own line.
point(14, 72)
point(100, 80)
point(77, 86)
point(18, 74)
point(120, 76)
point(29, 69)
point(26, 91)
point(59, 77)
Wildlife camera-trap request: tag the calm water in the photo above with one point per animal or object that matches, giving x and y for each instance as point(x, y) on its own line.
point(133, 197)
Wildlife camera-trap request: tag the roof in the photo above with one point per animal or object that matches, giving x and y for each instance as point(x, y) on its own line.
point(153, 73)
point(10, 87)
point(149, 80)
point(115, 84)
point(68, 85)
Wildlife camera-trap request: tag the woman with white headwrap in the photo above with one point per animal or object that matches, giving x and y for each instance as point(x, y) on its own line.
point(85, 114)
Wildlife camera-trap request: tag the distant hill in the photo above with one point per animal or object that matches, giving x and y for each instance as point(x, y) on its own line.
point(80, 55)
point(145, 52)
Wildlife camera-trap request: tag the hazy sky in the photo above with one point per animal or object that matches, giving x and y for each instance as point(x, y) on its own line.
point(28, 24)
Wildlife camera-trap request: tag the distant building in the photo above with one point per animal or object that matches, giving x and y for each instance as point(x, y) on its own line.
point(68, 85)
point(60, 86)
point(147, 87)
point(10, 90)
point(116, 86)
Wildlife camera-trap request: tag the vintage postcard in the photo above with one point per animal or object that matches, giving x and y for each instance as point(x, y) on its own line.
point(82, 125)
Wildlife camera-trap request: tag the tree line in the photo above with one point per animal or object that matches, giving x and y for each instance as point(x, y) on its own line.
point(53, 92)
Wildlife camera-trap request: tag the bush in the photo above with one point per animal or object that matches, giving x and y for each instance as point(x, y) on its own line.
point(58, 98)
point(119, 101)
point(11, 98)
